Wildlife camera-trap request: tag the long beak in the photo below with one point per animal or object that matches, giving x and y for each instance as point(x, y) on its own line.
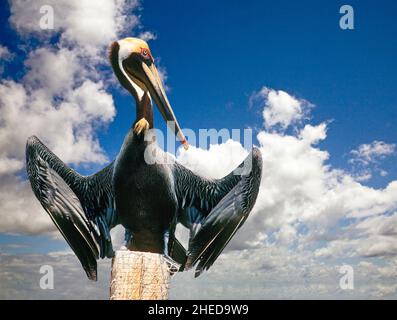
point(156, 89)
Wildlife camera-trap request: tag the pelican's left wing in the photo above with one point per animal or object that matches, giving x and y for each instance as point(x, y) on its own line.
point(214, 210)
point(81, 207)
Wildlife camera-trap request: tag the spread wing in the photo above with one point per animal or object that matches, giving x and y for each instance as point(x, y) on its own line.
point(81, 207)
point(214, 210)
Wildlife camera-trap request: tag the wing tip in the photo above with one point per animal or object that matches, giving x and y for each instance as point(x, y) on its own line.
point(257, 155)
point(32, 139)
point(91, 273)
point(198, 272)
point(31, 142)
point(256, 152)
point(190, 263)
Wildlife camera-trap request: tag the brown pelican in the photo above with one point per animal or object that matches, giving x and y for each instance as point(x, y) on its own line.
point(147, 199)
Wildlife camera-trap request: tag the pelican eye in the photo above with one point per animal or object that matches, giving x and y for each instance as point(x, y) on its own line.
point(146, 54)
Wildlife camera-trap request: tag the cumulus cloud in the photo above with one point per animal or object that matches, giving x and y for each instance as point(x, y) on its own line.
point(67, 127)
point(313, 134)
point(281, 109)
point(61, 98)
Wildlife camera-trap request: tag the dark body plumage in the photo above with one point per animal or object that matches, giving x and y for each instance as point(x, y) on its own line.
point(144, 196)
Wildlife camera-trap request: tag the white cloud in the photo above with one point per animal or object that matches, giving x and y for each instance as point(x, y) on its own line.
point(286, 235)
point(379, 225)
point(53, 71)
point(280, 108)
point(20, 212)
point(372, 152)
point(366, 159)
point(10, 165)
point(313, 134)
point(383, 173)
point(88, 25)
point(147, 36)
point(215, 162)
point(68, 128)
point(363, 176)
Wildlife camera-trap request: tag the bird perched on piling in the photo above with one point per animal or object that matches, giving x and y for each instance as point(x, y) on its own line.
point(146, 197)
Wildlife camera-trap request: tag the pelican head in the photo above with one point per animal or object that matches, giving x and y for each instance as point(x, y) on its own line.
point(134, 67)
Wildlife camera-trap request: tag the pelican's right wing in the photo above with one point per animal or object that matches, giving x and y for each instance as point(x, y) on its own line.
point(81, 207)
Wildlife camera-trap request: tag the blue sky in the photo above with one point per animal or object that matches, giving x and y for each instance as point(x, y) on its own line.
point(217, 54)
